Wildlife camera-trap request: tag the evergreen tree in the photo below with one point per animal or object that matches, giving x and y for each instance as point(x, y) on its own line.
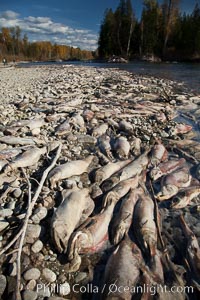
point(196, 28)
point(107, 37)
point(170, 15)
point(151, 28)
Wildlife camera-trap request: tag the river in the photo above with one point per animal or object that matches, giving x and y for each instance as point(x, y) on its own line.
point(187, 73)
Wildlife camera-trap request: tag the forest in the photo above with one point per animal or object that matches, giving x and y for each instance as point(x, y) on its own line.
point(162, 33)
point(15, 47)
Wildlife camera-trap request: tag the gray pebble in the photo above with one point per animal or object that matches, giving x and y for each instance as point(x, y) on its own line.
point(32, 273)
point(29, 295)
point(64, 289)
point(3, 283)
point(37, 246)
point(49, 275)
point(6, 212)
point(80, 276)
point(17, 193)
point(3, 225)
point(32, 233)
point(39, 214)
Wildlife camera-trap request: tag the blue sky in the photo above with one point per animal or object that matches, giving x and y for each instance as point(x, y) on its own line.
point(71, 22)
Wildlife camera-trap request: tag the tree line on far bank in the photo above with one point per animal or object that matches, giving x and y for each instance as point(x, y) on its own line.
point(163, 32)
point(14, 47)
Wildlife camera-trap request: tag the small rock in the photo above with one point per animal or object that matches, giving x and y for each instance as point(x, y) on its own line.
point(11, 205)
point(6, 212)
point(33, 232)
point(37, 246)
point(64, 289)
point(48, 201)
point(146, 137)
point(35, 131)
point(164, 134)
point(17, 193)
point(29, 295)
point(32, 273)
point(39, 214)
point(31, 284)
point(94, 107)
point(173, 102)
point(49, 275)
point(80, 277)
point(3, 283)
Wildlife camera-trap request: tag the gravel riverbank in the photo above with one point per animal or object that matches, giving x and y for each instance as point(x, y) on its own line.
point(146, 130)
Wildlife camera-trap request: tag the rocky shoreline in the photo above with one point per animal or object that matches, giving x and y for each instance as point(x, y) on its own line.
point(111, 116)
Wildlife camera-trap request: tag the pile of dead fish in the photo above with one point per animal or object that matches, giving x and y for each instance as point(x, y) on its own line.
point(122, 202)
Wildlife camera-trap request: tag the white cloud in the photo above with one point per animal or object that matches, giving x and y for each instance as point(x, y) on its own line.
point(43, 28)
point(9, 15)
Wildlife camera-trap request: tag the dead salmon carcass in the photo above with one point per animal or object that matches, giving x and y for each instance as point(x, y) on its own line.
point(120, 190)
point(192, 250)
point(72, 212)
point(166, 168)
point(87, 115)
point(185, 196)
point(104, 145)
point(132, 169)
point(123, 219)
point(90, 237)
point(122, 270)
point(77, 120)
point(113, 123)
point(171, 184)
point(26, 159)
point(125, 126)
point(71, 168)
point(144, 225)
point(181, 129)
point(136, 146)
point(13, 140)
point(9, 153)
point(109, 169)
point(159, 153)
point(6, 179)
point(32, 124)
point(122, 147)
point(100, 130)
point(64, 128)
point(156, 267)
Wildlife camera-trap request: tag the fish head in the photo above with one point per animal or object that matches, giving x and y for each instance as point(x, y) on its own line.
point(109, 199)
point(179, 200)
point(155, 173)
point(99, 176)
point(60, 236)
point(120, 233)
point(136, 252)
point(77, 241)
point(74, 264)
point(167, 192)
point(150, 243)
